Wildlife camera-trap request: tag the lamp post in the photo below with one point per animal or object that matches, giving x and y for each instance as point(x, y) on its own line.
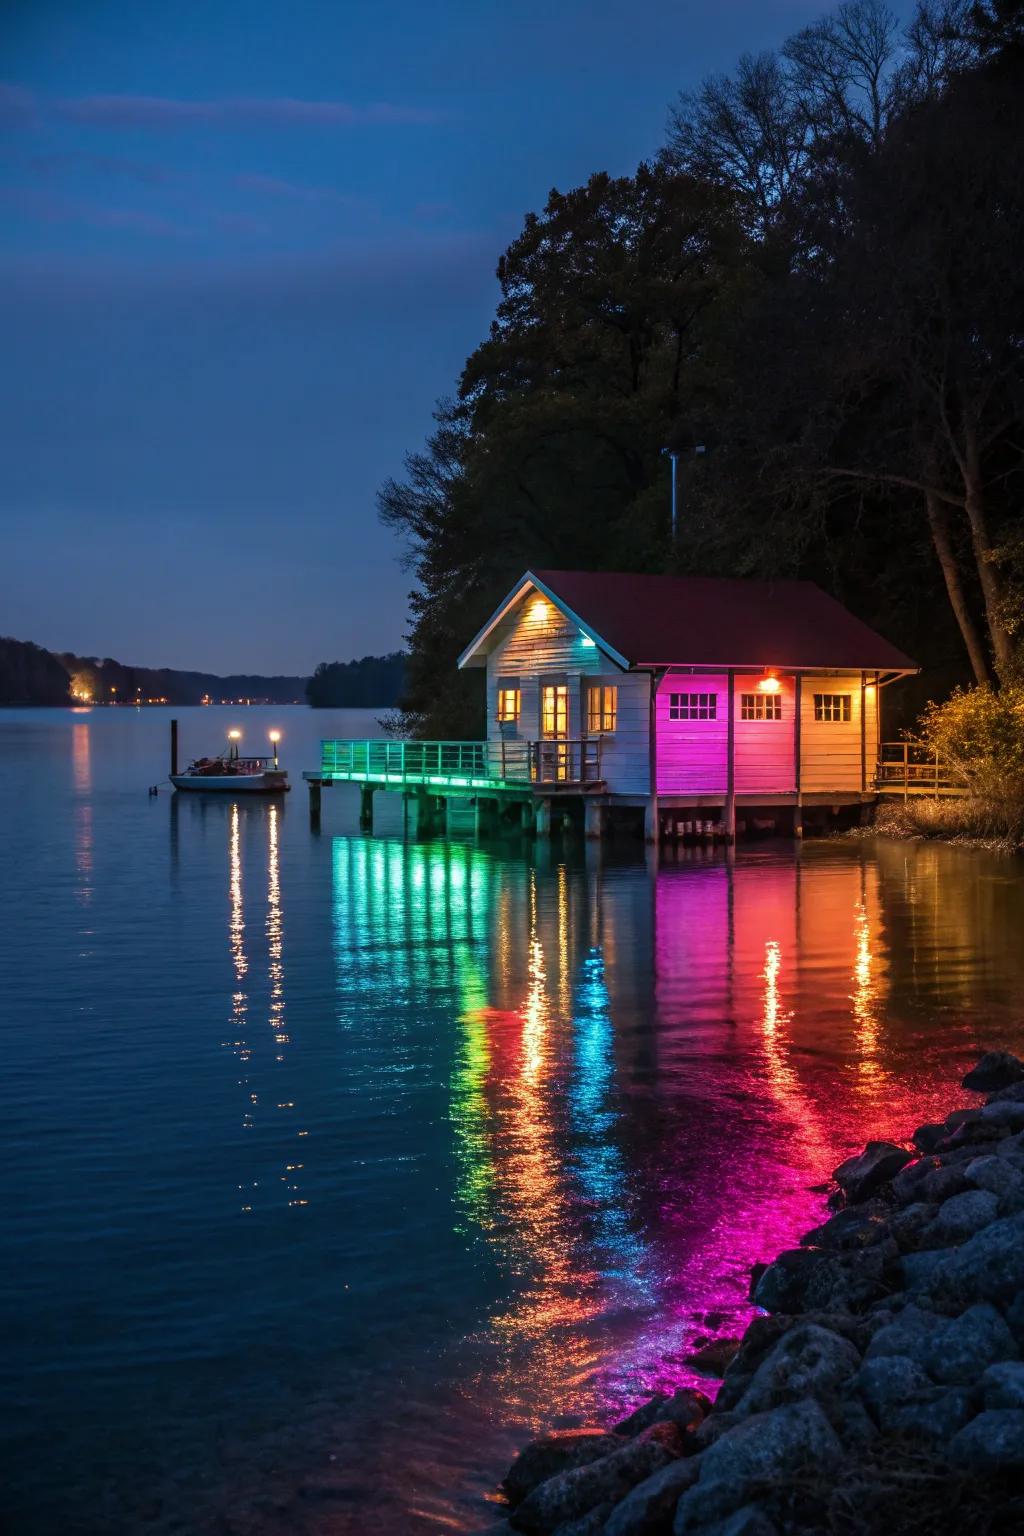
point(674, 455)
point(234, 737)
point(275, 737)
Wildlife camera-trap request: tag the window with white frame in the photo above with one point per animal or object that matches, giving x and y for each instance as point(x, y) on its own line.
point(693, 706)
point(760, 706)
point(833, 706)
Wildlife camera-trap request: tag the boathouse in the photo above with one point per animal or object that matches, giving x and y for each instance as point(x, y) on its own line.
point(694, 700)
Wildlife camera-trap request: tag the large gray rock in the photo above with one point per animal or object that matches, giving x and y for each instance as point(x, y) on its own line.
point(590, 1524)
point(715, 1357)
point(927, 1137)
point(685, 1407)
point(936, 1415)
point(649, 1508)
point(808, 1361)
point(887, 1382)
point(989, 1267)
point(995, 1438)
point(907, 1225)
point(1003, 1385)
point(917, 1269)
point(859, 1177)
point(959, 1349)
point(765, 1447)
point(1012, 1094)
point(550, 1454)
point(996, 1069)
point(995, 1174)
point(572, 1494)
point(1005, 1112)
point(849, 1230)
point(962, 1215)
point(908, 1334)
point(812, 1279)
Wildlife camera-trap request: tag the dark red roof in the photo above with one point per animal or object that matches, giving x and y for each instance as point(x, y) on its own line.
point(721, 621)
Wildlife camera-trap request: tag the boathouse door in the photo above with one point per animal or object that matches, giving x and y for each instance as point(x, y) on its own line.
point(554, 729)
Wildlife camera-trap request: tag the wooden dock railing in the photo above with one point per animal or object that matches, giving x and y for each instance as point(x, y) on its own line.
point(906, 769)
point(464, 764)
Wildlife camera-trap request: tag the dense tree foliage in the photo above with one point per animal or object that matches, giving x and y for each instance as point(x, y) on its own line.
point(373, 682)
point(30, 675)
point(818, 281)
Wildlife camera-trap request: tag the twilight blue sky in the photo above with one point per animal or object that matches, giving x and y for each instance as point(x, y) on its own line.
point(246, 245)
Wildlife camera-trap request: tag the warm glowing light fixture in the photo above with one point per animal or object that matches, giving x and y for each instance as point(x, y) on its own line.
point(275, 737)
point(538, 610)
point(769, 683)
point(234, 735)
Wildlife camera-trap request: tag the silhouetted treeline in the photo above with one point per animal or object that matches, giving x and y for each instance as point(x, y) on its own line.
point(818, 282)
point(371, 683)
point(30, 675)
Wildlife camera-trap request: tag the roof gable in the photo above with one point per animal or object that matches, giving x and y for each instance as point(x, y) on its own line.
point(710, 621)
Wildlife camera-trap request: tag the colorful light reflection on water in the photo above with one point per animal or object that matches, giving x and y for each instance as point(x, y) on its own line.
point(327, 1141)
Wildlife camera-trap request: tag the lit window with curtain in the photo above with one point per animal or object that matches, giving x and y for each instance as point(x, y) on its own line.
point(602, 708)
point(509, 700)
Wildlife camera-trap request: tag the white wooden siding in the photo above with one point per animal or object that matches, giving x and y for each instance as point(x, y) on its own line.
point(536, 641)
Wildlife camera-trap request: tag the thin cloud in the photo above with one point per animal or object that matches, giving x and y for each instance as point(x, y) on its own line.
point(294, 191)
point(45, 208)
point(17, 106)
point(164, 112)
point(145, 174)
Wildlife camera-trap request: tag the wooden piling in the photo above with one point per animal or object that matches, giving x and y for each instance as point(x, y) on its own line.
point(174, 747)
point(314, 804)
point(366, 807)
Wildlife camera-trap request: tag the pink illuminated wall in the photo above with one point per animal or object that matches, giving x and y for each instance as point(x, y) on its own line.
point(692, 754)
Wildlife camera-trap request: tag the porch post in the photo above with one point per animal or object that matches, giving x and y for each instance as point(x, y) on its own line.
point(543, 818)
point(798, 809)
point(730, 767)
point(593, 818)
point(651, 828)
point(366, 807)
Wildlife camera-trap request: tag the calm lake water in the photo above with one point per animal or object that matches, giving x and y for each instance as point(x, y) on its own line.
point(335, 1164)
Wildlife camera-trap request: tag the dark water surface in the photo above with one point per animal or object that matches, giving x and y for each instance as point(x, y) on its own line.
point(333, 1164)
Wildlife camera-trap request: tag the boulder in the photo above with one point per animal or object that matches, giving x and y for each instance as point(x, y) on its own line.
point(1005, 1112)
point(936, 1415)
point(715, 1357)
point(996, 1069)
point(942, 1183)
point(648, 1509)
point(815, 1279)
point(808, 1361)
point(574, 1493)
point(590, 1524)
point(888, 1382)
point(994, 1438)
point(907, 1225)
point(989, 1266)
point(927, 1137)
point(908, 1334)
point(962, 1347)
point(551, 1454)
point(962, 1215)
point(849, 1230)
point(918, 1269)
point(685, 1408)
point(1012, 1094)
point(782, 1285)
point(1003, 1385)
point(995, 1174)
point(860, 1176)
point(762, 1448)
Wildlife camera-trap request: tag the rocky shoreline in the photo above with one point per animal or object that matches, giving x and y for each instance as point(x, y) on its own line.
point(881, 1391)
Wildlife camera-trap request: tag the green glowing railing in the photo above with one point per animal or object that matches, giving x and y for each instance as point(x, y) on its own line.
point(463, 764)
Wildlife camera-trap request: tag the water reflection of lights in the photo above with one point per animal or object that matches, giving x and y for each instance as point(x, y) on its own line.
point(864, 999)
point(274, 932)
point(81, 769)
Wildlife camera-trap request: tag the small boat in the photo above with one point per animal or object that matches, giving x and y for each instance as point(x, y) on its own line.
point(232, 774)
